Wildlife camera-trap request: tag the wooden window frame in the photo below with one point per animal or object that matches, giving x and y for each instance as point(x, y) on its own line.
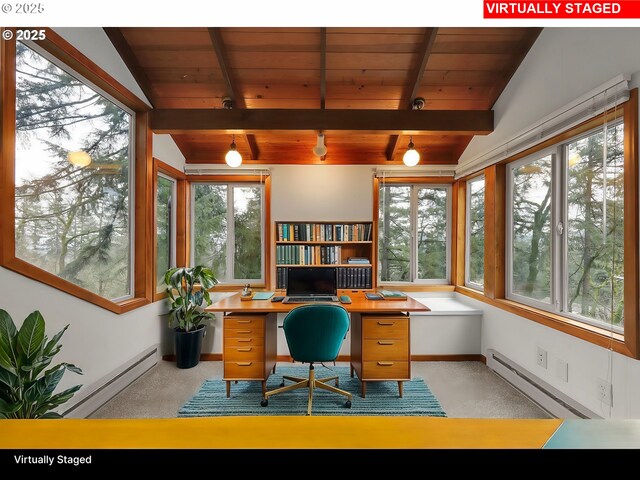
point(181, 218)
point(426, 180)
point(627, 343)
point(267, 239)
point(143, 281)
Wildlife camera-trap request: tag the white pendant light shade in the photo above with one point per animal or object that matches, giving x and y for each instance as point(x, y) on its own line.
point(233, 157)
point(320, 150)
point(79, 158)
point(411, 156)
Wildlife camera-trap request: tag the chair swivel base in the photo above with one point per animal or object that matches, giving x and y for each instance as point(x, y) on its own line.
point(311, 383)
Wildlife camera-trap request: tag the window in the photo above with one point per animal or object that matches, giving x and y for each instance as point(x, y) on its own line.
point(413, 240)
point(566, 228)
point(73, 164)
point(165, 228)
point(228, 230)
point(475, 233)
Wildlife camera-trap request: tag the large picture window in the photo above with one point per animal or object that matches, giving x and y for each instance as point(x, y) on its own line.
point(73, 177)
point(414, 231)
point(566, 228)
point(475, 233)
point(228, 230)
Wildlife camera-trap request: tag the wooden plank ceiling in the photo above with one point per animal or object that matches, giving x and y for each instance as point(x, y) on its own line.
point(332, 68)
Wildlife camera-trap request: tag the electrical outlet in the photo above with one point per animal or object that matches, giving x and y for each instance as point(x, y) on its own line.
point(562, 370)
point(541, 358)
point(605, 393)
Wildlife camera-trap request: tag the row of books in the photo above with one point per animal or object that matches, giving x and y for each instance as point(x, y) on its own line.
point(349, 277)
point(324, 232)
point(308, 254)
point(354, 277)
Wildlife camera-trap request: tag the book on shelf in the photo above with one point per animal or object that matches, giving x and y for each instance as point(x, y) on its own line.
point(393, 294)
point(358, 261)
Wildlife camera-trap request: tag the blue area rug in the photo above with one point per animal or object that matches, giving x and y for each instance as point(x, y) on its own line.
point(382, 397)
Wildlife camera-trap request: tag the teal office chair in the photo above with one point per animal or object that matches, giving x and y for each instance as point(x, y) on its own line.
point(314, 334)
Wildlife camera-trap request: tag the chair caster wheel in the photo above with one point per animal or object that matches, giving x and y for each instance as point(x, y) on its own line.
point(264, 402)
point(282, 385)
point(347, 404)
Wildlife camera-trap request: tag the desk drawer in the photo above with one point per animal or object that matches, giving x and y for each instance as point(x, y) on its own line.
point(385, 327)
point(243, 341)
point(381, 369)
point(242, 370)
point(252, 322)
point(243, 333)
point(385, 349)
point(243, 354)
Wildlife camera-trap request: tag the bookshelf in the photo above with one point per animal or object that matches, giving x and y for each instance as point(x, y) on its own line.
point(327, 244)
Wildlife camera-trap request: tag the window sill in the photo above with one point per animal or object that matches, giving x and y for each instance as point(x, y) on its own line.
point(592, 334)
point(416, 287)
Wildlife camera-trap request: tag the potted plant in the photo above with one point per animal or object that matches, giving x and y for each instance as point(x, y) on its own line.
point(26, 388)
point(188, 288)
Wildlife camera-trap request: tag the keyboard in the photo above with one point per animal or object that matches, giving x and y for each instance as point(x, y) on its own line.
point(313, 299)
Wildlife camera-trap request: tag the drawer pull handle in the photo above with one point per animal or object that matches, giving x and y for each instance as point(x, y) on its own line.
point(248, 349)
point(386, 324)
point(243, 339)
point(243, 321)
point(244, 364)
point(385, 364)
point(244, 331)
point(383, 342)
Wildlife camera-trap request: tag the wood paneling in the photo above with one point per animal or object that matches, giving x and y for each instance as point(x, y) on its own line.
point(458, 204)
point(334, 68)
point(7, 163)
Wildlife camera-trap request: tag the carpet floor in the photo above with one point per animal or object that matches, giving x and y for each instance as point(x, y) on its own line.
point(382, 397)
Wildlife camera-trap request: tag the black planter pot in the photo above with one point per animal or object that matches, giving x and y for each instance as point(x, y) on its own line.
point(188, 347)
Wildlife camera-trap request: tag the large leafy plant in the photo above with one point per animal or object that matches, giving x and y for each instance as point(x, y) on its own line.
point(26, 388)
point(188, 288)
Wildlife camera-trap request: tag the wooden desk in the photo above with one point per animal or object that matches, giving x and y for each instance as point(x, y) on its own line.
point(380, 338)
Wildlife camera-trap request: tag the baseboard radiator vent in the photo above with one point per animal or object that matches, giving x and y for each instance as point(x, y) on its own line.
point(546, 396)
point(109, 386)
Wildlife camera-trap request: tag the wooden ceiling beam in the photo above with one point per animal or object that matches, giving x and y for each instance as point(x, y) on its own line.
point(323, 66)
point(131, 61)
point(231, 84)
point(415, 81)
point(404, 122)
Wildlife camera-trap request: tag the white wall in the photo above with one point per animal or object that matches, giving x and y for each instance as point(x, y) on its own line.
point(97, 340)
point(165, 149)
point(562, 65)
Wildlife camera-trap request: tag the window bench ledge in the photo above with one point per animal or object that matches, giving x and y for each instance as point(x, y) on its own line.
point(443, 306)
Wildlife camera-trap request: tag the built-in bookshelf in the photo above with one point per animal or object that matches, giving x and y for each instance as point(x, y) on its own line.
point(348, 246)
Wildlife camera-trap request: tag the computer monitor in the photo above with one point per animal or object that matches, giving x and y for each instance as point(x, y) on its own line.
point(311, 281)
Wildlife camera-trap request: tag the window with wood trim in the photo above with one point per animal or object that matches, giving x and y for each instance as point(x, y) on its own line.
point(414, 233)
point(165, 227)
point(474, 261)
point(73, 177)
point(565, 227)
point(228, 230)
point(75, 169)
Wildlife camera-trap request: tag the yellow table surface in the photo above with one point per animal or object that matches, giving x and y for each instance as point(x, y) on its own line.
point(277, 432)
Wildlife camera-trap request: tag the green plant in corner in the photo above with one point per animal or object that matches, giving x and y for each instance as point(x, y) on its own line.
point(188, 288)
point(26, 388)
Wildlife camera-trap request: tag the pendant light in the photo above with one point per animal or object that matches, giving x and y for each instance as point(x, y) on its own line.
point(79, 158)
point(233, 157)
point(411, 156)
point(320, 150)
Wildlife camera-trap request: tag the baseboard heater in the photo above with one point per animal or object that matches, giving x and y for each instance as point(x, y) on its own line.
point(546, 396)
point(109, 386)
